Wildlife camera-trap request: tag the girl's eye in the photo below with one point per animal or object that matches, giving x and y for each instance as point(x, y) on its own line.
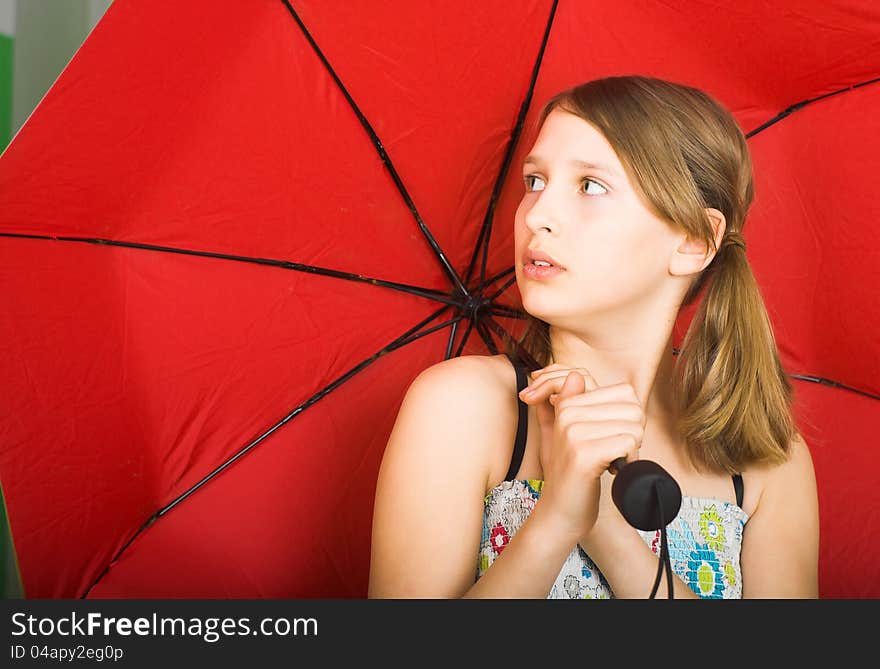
point(585, 181)
point(526, 179)
point(590, 181)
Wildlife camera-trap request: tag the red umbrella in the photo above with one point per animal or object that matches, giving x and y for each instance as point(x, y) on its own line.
point(232, 234)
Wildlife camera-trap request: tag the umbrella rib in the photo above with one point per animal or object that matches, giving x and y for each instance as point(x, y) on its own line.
point(490, 323)
point(377, 143)
point(428, 293)
point(510, 312)
point(452, 321)
point(803, 103)
point(834, 384)
point(464, 339)
point(510, 342)
point(491, 280)
point(406, 338)
point(498, 292)
point(486, 335)
point(486, 228)
point(149, 521)
point(452, 332)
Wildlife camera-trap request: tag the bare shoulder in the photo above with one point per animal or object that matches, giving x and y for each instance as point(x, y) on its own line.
point(467, 378)
point(793, 477)
point(429, 493)
point(471, 394)
point(780, 549)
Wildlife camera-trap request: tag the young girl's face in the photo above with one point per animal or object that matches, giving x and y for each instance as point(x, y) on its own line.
point(614, 252)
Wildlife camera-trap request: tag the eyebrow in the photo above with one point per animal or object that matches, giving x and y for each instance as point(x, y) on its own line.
point(536, 160)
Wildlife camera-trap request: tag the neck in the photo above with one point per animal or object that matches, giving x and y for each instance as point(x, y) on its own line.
point(644, 363)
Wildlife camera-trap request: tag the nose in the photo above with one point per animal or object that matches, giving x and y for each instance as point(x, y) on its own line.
point(542, 213)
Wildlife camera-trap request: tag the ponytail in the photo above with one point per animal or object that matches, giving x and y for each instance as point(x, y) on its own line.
point(734, 398)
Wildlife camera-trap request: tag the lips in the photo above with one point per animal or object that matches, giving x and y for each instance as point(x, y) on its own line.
point(534, 254)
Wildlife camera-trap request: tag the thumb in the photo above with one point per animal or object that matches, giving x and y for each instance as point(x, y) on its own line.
point(574, 385)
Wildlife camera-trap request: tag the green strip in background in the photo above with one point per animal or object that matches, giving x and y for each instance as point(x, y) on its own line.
point(6, 43)
point(10, 579)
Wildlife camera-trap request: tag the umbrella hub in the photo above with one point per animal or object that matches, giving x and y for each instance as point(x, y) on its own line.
point(475, 306)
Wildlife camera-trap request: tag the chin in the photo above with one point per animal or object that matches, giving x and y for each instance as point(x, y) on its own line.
point(539, 308)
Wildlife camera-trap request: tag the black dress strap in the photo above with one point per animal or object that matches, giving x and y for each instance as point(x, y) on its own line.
point(519, 447)
point(738, 487)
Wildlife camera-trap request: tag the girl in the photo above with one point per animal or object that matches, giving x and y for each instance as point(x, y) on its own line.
point(636, 190)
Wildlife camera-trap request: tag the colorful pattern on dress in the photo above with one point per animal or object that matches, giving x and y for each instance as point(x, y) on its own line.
point(704, 544)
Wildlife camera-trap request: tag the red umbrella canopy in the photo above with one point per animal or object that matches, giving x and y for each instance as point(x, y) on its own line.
point(232, 234)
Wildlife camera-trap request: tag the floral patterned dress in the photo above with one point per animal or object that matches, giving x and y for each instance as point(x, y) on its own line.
point(704, 544)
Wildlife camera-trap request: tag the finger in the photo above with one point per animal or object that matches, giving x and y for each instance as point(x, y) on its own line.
point(553, 383)
point(541, 390)
point(537, 372)
point(580, 431)
point(623, 411)
point(619, 392)
point(556, 369)
point(574, 384)
point(632, 445)
point(601, 453)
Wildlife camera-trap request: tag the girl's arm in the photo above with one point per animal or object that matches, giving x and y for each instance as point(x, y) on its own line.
point(780, 551)
point(428, 511)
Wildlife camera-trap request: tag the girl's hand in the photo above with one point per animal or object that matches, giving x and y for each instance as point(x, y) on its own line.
point(583, 429)
point(543, 389)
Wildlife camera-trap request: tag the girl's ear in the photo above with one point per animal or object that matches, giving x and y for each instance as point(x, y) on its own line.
point(693, 255)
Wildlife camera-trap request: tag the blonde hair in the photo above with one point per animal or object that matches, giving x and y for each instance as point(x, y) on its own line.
point(683, 152)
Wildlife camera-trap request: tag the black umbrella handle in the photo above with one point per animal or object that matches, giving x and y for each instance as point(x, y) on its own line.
point(635, 492)
point(649, 498)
